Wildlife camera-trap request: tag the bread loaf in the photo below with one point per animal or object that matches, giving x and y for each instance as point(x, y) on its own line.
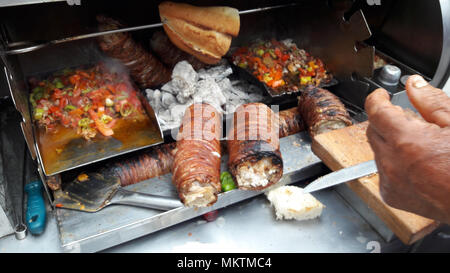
point(291, 203)
point(204, 32)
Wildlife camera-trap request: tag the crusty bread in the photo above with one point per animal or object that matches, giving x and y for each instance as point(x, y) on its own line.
point(291, 203)
point(204, 32)
point(221, 19)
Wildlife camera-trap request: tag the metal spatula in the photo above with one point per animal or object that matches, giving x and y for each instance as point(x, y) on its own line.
point(94, 192)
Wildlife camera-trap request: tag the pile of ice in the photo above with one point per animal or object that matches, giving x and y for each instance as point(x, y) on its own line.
point(211, 85)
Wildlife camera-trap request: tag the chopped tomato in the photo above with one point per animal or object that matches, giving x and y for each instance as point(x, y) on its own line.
point(57, 94)
point(74, 79)
point(101, 126)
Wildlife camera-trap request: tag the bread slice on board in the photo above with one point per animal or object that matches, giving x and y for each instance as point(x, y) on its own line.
point(204, 32)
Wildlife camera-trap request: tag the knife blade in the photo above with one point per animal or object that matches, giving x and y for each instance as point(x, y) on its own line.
point(342, 176)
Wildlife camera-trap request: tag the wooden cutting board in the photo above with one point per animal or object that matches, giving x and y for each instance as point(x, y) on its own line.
point(349, 146)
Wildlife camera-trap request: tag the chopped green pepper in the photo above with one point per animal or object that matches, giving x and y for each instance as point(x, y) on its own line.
point(69, 107)
point(57, 83)
point(38, 113)
point(243, 65)
point(84, 122)
point(87, 90)
point(227, 182)
point(38, 89)
point(272, 53)
point(126, 109)
point(106, 119)
point(260, 52)
point(32, 101)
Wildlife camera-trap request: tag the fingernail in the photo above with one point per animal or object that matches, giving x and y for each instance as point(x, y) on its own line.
point(419, 82)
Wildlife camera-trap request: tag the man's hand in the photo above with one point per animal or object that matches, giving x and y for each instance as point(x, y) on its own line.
point(413, 154)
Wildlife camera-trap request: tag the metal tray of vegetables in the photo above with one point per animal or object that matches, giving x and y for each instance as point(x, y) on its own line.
point(88, 114)
point(280, 68)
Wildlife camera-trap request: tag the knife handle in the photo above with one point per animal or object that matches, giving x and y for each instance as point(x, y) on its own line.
point(36, 212)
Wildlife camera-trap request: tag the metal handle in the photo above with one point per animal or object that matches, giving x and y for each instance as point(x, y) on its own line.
point(36, 212)
point(125, 197)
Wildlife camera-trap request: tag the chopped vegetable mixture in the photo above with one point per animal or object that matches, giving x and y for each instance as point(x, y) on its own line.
point(282, 67)
point(90, 100)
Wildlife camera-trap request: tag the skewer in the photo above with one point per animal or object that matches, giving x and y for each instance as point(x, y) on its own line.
point(40, 44)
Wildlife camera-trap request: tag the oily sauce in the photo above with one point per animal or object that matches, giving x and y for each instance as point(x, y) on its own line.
point(64, 149)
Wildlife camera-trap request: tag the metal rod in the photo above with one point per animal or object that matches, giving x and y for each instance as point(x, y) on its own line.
point(39, 45)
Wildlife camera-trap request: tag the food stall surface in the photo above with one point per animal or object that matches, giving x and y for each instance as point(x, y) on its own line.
point(242, 227)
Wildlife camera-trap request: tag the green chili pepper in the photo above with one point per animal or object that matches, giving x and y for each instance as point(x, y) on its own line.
point(36, 94)
point(57, 83)
point(38, 89)
point(126, 109)
point(106, 119)
point(260, 52)
point(38, 113)
point(32, 101)
point(122, 97)
point(84, 122)
point(226, 180)
point(272, 53)
point(69, 107)
point(85, 91)
point(243, 65)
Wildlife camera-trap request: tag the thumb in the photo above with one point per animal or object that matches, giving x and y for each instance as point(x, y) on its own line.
point(432, 103)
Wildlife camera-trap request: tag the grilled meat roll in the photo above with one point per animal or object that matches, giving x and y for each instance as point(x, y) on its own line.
point(290, 122)
point(254, 148)
point(196, 166)
point(322, 111)
point(169, 54)
point(144, 68)
point(153, 162)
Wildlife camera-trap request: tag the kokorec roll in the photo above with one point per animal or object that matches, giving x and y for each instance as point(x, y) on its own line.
point(290, 122)
point(322, 111)
point(144, 68)
point(196, 166)
point(150, 163)
point(169, 54)
point(254, 149)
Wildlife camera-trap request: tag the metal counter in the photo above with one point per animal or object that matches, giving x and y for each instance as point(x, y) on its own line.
point(245, 221)
point(248, 226)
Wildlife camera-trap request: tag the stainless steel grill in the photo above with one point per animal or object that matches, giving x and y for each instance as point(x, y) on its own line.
point(38, 37)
